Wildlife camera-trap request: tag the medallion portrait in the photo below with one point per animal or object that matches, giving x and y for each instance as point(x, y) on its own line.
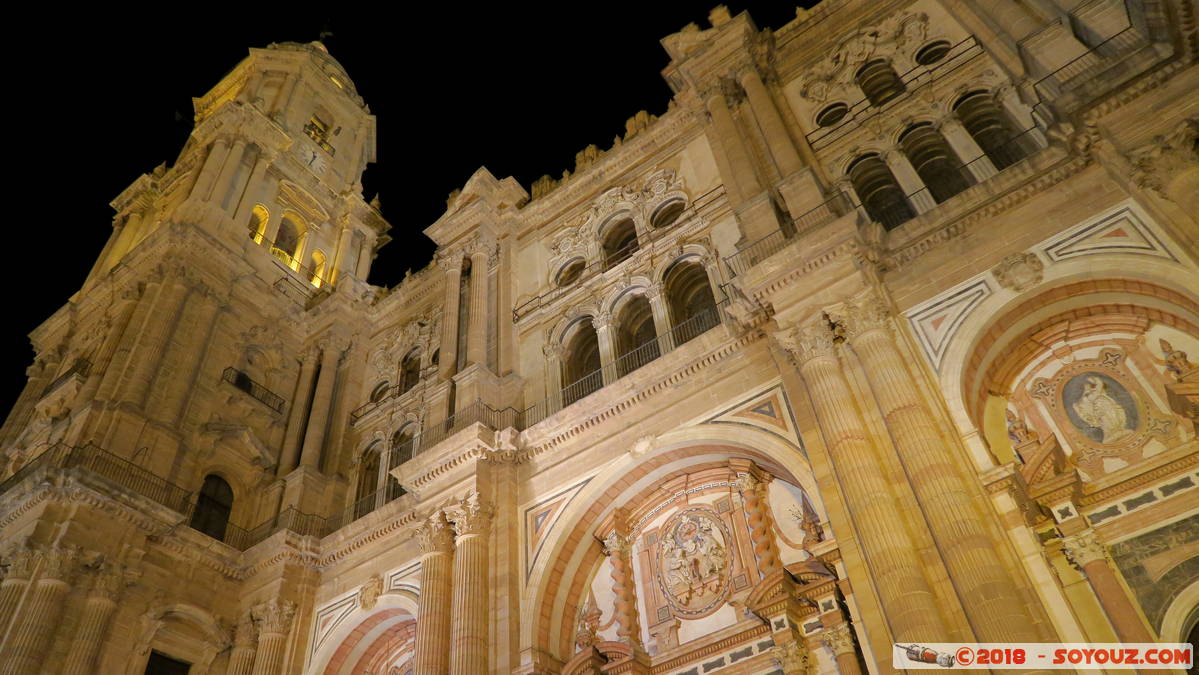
point(1100, 408)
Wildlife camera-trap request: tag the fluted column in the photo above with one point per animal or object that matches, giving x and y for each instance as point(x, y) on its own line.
point(966, 148)
point(766, 113)
point(987, 593)
point(121, 313)
point(253, 187)
point(661, 312)
point(451, 262)
point(1087, 553)
point(298, 413)
point(212, 166)
point(618, 548)
point(345, 240)
point(553, 376)
point(839, 639)
point(93, 623)
point(909, 181)
point(274, 623)
point(468, 627)
point(38, 619)
point(602, 323)
point(431, 653)
point(245, 641)
point(318, 418)
point(224, 180)
point(20, 569)
point(742, 183)
point(890, 552)
point(476, 333)
point(152, 342)
point(753, 492)
point(173, 381)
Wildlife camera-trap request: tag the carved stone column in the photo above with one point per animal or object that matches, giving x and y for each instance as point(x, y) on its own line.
point(1088, 554)
point(891, 555)
point(20, 568)
point(987, 592)
point(451, 263)
point(432, 650)
point(766, 113)
point(753, 491)
point(742, 183)
point(553, 377)
point(181, 364)
point(909, 181)
point(839, 639)
point(297, 413)
point(35, 625)
point(618, 548)
point(476, 333)
point(152, 342)
point(274, 623)
point(322, 400)
point(212, 165)
point(245, 641)
point(224, 182)
point(122, 311)
point(93, 624)
point(468, 629)
point(661, 312)
point(253, 187)
point(607, 346)
point(966, 148)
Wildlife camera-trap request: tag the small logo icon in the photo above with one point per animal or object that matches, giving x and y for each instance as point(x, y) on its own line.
point(925, 655)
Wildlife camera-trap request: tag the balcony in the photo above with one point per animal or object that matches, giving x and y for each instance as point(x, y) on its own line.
point(757, 251)
point(80, 368)
point(256, 391)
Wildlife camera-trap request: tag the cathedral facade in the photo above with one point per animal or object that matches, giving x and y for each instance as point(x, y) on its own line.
point(885, 332)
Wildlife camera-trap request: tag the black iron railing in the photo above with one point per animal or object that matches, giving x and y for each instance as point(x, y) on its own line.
point(685, 331)
point(1089, 63)
point(317, 278)
point(477, 412)
point(754, 253)
point(243, 382)
point(81, 367)
point(600, 266)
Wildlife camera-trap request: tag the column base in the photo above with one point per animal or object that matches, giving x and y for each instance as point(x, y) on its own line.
point(757, 218)
point(801, 192)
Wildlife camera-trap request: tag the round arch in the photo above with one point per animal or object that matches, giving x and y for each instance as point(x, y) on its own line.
point(345, 641)
point(549, 595)
point(199, 653)
point(1181, 615)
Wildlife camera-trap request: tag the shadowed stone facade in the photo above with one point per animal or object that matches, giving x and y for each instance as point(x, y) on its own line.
point(886, 330)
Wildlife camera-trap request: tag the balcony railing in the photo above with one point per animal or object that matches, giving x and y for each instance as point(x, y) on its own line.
point(683, 332)
point(913, 79)
point(81, 367)
point(603, 265)
point(754, 253)
point(475, 412)
point(242, 381)
point(1089, 63)
point(317, 278)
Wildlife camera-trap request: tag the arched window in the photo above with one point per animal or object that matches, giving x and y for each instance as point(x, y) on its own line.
point(620, 241)
point(257, 224)
point(380, 391)
point(581, 363)
point(213, 507)
point(636, 337)
point(316, 273)
point(991, 128)
point(935, 162)
point(287, 242)
point(831, 114)
point(570, 273)
point(368, 480)
point(666, 214)
point(879, 191)
point(933, 52)
point(879, 82)
point(410, 371)
point(689, 297)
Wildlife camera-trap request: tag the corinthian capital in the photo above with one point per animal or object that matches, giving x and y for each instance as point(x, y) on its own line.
point(839, 639)
point(792, 656)
point(108, 582)
point(20, 564)
point(811, 340)
point(865, 313)
point(245, 634)
point(472, 517)
point(1083, 548)
point(274, 616)
point(449, 259)
point(616, 544)
point(59, 563)
point(435, 534)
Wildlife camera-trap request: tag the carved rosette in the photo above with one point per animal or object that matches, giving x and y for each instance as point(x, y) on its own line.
point(274, 617)
point(1019, 272)
point(839, 639)
point(810, 341)
point(435, 535)
point(1083, 548)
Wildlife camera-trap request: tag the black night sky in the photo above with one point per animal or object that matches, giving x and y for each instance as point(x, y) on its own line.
point(520, 89)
